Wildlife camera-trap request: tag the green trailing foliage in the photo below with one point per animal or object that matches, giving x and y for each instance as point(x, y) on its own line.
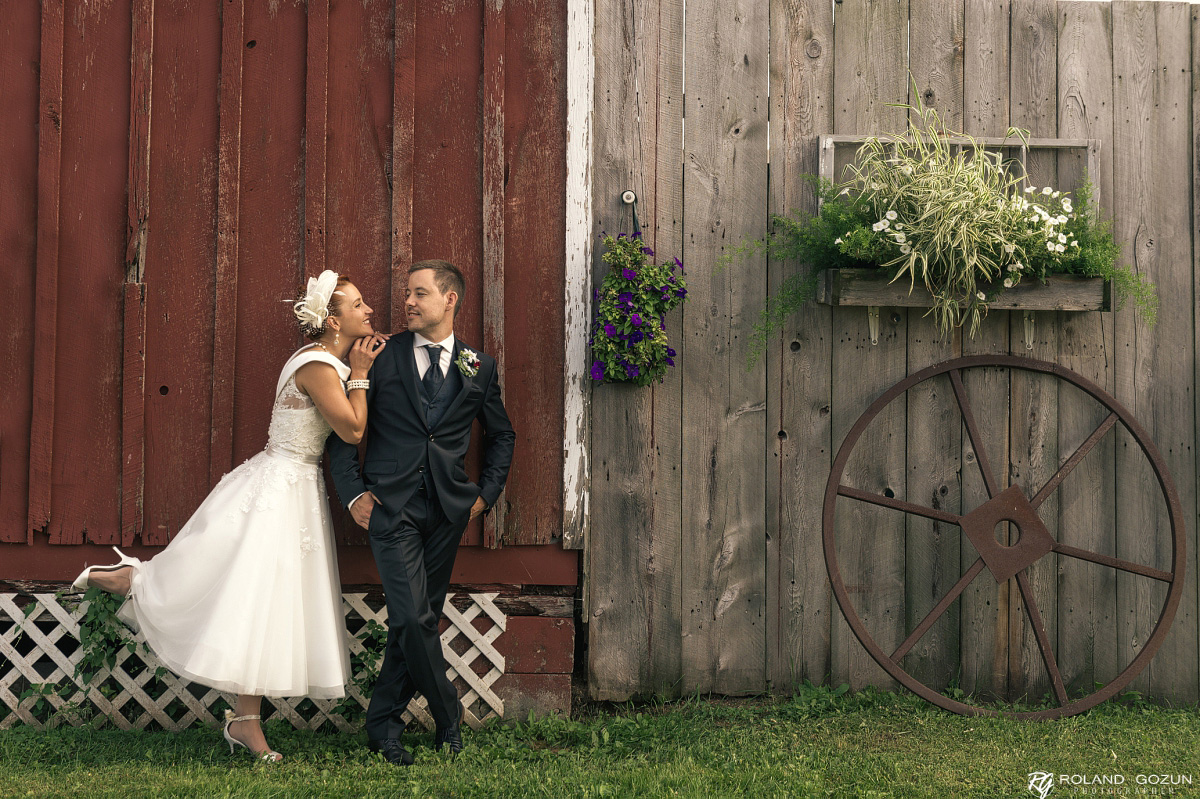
point(957, 219)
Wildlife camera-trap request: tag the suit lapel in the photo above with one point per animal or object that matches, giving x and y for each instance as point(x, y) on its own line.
point(407, 366)
point(466, 382)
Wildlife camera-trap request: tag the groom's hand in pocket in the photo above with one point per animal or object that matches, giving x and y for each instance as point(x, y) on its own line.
point(360, 509)
point(478, 508)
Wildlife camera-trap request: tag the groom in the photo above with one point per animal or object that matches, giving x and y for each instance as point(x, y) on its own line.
point(414, 497)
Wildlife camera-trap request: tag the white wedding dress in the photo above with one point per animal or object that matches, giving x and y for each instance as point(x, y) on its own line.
point(247, 597)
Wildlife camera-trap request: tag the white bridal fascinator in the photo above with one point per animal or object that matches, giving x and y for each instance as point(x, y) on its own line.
point(313, 309)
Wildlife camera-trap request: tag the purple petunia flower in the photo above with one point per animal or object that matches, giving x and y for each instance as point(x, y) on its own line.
point(609, 329)
point(648, 251)
point(670, 361)
point(678, 263)
point(680, 292)
point(597, 370)
point(636, 336)
point(628, 274)
point(621, 236)
point(637, 234)
point(625, 298)
point(636, 319)
point(670, 352)
point(631, 370)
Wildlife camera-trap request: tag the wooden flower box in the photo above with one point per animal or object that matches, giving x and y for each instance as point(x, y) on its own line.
point(871, 287)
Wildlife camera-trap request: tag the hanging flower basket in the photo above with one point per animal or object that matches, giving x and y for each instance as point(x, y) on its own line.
point(629, 334)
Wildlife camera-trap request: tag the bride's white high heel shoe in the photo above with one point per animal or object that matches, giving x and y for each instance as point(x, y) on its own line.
point(269, 756)
point(81, 582)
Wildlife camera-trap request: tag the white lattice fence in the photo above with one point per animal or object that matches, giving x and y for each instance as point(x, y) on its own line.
point(39, 646)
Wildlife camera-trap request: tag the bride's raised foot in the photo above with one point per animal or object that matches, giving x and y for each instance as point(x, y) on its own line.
point(115, 579)
point(255, 743)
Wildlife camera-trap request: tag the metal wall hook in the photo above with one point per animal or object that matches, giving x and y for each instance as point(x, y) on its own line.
point(1029, 330)
point(630, 198)
point(873, 322)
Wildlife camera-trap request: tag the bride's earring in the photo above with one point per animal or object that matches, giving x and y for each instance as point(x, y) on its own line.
point(336, 338)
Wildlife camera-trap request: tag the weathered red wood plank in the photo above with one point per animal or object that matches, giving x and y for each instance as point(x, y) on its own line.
point(316, 136)
point(533, 271)
point(447, 219)
point(358, 199)
point(493, 214)
point(229, 186)
point(271, 241)
point(133, 383)
point(404, 98)
point(45, 318)
point(92, 208)
point(178, 264)
point(354, 217)
point(133, 392)
point(19, 43)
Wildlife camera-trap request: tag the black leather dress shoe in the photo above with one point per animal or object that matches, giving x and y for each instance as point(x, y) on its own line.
point(450, 736)
point(392, 751)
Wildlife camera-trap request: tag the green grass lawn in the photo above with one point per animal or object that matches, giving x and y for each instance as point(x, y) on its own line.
point(811, 744)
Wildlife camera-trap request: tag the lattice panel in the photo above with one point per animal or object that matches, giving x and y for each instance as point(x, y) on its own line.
point(41, 647)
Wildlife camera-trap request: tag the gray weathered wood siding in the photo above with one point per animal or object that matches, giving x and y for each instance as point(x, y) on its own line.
point(703, 560)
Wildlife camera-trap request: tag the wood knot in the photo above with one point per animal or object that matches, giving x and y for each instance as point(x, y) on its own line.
point(813, 48)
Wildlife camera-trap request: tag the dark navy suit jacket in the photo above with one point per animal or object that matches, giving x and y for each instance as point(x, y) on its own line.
point(403, 449)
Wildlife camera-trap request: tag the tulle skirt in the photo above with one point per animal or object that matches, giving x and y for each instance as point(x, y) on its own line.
point(247, 598)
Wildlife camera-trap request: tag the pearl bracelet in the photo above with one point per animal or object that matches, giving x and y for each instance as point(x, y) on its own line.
point(353, 384)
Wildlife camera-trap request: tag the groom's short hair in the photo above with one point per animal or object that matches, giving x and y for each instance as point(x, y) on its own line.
point(446, 276)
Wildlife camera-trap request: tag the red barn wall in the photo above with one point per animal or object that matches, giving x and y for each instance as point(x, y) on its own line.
point(174, 171)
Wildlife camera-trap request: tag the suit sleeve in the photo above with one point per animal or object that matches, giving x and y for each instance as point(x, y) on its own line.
point(343, 460)
point(498, 442)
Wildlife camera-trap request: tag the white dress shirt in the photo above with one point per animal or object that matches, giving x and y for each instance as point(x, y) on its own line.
point(422, 354)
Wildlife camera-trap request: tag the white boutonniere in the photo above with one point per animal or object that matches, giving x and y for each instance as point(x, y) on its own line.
point(467, 362)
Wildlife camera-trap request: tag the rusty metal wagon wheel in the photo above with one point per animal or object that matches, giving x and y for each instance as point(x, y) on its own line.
point(1000, 561)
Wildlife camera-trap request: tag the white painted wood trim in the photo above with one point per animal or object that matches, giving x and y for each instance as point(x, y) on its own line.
point(581, 16)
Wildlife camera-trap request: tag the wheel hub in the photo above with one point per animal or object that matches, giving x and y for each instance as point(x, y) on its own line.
point(1034, 540)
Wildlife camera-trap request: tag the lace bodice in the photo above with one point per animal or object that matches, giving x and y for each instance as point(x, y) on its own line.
point(298, 429)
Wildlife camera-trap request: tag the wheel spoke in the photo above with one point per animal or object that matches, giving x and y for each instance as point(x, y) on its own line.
point(938, 610)
point(898, 504)
point(1039, 630)
point(1116, 563)
point(964, 406)
point(1074, 460)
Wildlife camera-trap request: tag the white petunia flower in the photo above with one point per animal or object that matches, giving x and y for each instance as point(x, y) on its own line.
point(1062, 237)
point(878, 226)
point(1047, 190)
point(1062, 219)
point(1067, 205)
point(899, 237)
point(1059, 248)
point(1008, 283)
point(1050, 246)
point(1009, 248)
point(981, 295)
point(905, 249)
point(891, 215)
point(1055, 194)
point(1029, 189)
point(1074, 243)
point(837, 241)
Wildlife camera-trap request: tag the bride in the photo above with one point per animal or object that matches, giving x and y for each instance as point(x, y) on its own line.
point(246, 598)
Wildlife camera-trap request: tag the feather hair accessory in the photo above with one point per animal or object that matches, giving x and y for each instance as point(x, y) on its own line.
point(313, 309)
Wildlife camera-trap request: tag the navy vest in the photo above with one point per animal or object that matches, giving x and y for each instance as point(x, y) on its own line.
point(435, 407)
